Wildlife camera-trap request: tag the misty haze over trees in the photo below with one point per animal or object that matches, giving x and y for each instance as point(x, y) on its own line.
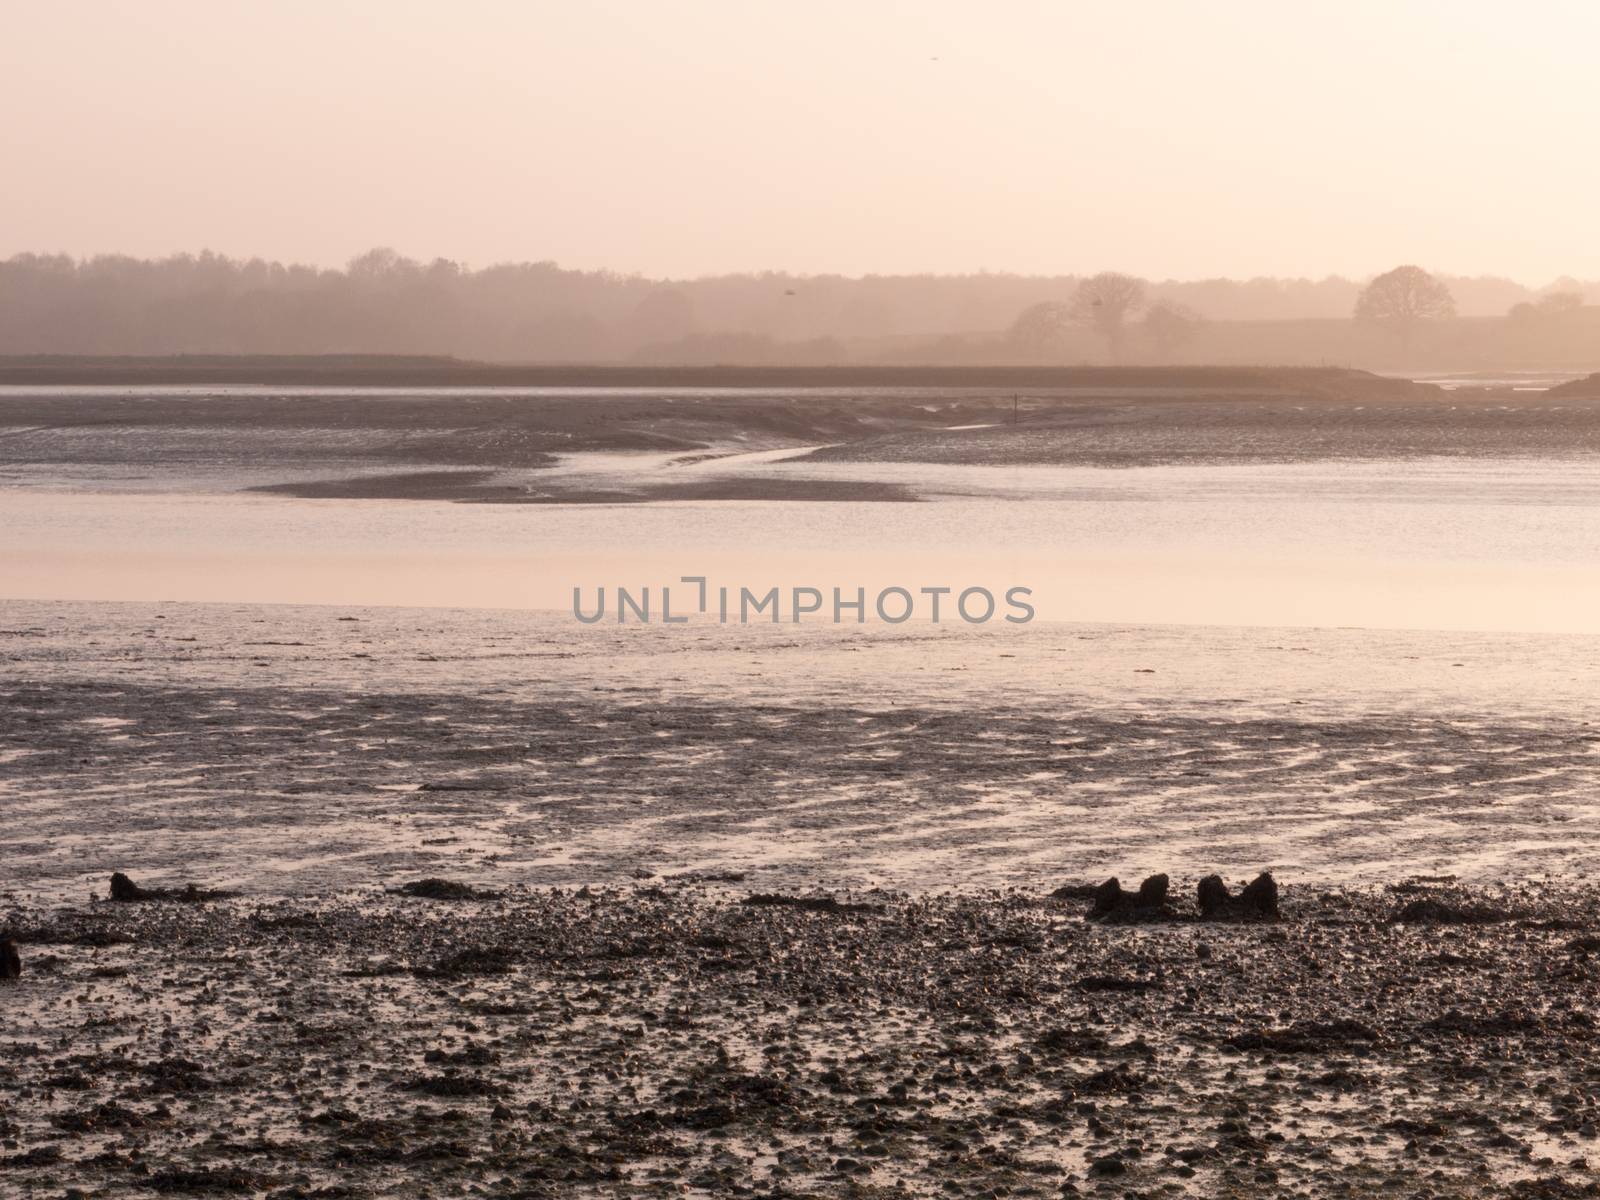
point(539, 312)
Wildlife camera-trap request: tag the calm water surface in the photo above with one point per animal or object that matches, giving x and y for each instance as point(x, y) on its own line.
point(1447, 544)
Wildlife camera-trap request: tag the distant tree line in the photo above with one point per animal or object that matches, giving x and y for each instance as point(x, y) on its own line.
point(384, 303)
point(1398, 315)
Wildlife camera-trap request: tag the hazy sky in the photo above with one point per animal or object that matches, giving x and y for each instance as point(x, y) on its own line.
point(685, 137)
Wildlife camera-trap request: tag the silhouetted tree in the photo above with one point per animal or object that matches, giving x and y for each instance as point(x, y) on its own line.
point(1551, 305)
point(1040, 328)
point(1402, 300)
point(377, 263)
point(1104, 303)
point(1554, 303)
point(1171, 324)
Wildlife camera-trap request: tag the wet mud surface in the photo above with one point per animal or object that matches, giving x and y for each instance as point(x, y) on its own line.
point(491, 487)
point(299, 789)
point(350, 444)
point(494, 904)
point(287, 432)
point(527, 909)
point(1284, 429)
point(285, 750)
point(672, 1039)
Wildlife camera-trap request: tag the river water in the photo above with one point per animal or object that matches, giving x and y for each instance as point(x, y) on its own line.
point(1343, 670)
point(1481, 544)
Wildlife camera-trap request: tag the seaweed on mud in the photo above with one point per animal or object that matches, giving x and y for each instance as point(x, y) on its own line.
point(499, 1008)
point(88, 933)
point(716, 1097)
point(1117, 1079)
point(1309, 1037)
point(1061, 1040)
point(1075, 891)
point(292, 920)
point(205, 1181)
point(1420, 884)
point(452, 1085)
point(474, 960)
point(444, 889)
point(467, 1056)
point(1432, 911)
point(126, 891)
point(1115, 983)
point(39, 1156)
point(1484, 1025)
point(177, 1076)
point(708, 877)
point(101, 1117)
point(817, 904)
point(1551, 1187)
point(71, 1081)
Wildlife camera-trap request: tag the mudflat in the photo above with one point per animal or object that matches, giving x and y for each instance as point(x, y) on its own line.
point(494, 902)
point(332, 440)
point(306, 750)
point(680, 1035)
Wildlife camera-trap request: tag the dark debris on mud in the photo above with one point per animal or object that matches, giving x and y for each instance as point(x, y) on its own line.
point(444, 889)
point(126, 891)
point(672, 1040)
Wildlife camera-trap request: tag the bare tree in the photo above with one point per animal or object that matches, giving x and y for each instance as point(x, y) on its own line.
point(1171, 324)
point(1104, 303)
point(1403, 300)
point(1040, 328)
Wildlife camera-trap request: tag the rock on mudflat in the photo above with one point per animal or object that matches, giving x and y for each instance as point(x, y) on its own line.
point(1108, 1167)
point(10, 960)
point(1149, 903)
point(1258, 900)
point(125, 890)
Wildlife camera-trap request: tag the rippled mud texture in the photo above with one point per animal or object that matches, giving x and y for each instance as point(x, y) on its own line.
point(290, 790)
point(667, 1040)
point(280, 751)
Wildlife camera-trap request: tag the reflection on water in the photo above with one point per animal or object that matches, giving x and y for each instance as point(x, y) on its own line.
point(1516, 381)
point(1512, 544)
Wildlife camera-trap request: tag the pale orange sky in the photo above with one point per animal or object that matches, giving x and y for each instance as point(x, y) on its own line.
point(684, 138)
